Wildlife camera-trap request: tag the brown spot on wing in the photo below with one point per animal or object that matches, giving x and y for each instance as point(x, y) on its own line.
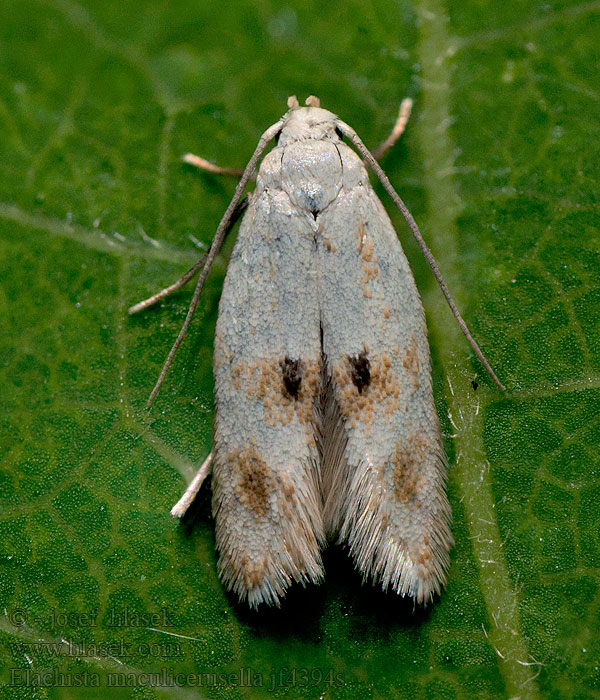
point(424, 559)
point(412, 360)
point(367, 251)
point(381, 395)
point(263, 379)
point(254, 479)
point(406, 465)
point(253, 572)
point(329, 245)
point(368, 257)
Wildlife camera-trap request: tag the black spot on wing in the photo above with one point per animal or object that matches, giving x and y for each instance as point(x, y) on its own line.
point(360, 370)
point(292, 375)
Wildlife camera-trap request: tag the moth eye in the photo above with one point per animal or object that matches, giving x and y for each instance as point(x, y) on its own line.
point(292, 375)
point(360, 370)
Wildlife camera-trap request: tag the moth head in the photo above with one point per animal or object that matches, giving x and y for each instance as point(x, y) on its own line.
point(306, 123)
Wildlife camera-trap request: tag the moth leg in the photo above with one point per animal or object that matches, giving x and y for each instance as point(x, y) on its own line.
point(182, 505)
point(397, 130)
point(191, 273)
point(209, 167)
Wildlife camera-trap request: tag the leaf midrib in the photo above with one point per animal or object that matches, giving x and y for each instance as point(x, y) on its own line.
point(471, 472)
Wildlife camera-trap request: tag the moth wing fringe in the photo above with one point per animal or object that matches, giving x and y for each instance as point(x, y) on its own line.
point(379, 554)
point(295, 558)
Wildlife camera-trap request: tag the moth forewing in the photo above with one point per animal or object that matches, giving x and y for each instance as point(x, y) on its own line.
point(267, 364)
point(386, 496)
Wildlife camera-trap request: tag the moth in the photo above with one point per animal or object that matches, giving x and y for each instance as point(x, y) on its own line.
point(325, 425)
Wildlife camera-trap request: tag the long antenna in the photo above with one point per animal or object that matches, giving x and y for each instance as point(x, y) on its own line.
point(270, 133)
point(412, 224)
point(185, 278)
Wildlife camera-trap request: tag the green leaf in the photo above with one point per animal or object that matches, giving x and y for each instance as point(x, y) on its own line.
point(98, 585)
